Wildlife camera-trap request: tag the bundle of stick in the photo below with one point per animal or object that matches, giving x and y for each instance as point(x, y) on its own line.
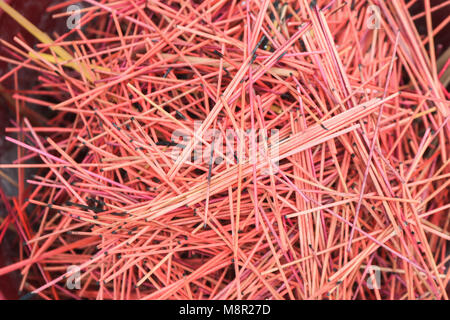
point(230, 150)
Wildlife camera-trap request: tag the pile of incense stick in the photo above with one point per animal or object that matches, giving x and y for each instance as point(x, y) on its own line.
point(229, 150)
